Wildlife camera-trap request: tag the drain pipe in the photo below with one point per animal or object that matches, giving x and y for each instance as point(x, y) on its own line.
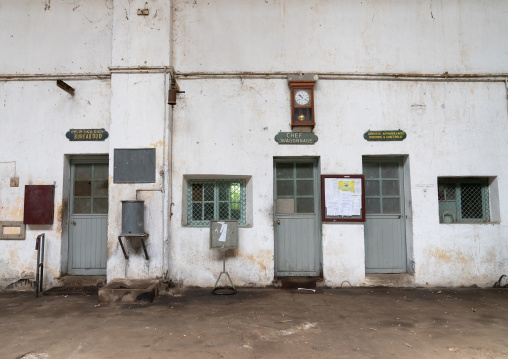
point(506, 85)
point(167, 145)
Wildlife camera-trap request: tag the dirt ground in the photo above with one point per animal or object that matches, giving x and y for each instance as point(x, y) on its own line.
point(261, 323)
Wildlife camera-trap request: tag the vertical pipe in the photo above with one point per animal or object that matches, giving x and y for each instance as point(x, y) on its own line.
point(37, 247)
point(42, 260)
point(166, 184)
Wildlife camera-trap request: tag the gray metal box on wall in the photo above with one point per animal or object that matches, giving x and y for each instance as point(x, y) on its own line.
point(134, 165)
point(223, 234)
point(133, 217)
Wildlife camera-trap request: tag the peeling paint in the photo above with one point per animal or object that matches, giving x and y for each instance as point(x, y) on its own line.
point(260, 259)
point(58, 219)
point(15, 210)
point(451, 256)
point(157, 144)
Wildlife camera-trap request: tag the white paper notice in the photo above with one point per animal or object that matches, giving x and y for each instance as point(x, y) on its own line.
point(346, 204)
point(332, 197)
point(223, 231)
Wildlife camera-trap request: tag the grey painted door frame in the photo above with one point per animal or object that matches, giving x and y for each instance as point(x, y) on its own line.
point(297, 217)
point(87, 249)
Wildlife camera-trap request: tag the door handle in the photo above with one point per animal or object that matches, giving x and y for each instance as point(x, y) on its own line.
point(73, 222)
point(277, 221)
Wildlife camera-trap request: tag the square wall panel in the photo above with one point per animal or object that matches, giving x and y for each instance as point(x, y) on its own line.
point(39, 204)
point(134, 165)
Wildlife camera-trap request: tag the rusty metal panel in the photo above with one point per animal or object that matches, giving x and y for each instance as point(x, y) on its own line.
point(39, 204)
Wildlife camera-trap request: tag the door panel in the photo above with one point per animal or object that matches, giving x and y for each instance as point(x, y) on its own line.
point(88, 218)
point(296, 247)
point(297, 234)
point(89, 245)
point(385, 240)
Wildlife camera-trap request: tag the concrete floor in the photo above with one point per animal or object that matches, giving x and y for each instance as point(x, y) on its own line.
point(261, 323)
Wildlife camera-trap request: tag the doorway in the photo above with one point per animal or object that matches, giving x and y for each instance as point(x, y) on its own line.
point(385, 233)
point(88, 216)
point(297, 217)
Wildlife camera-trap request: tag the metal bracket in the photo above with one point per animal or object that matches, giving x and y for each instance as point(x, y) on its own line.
point(140, 236)
point(65, 87)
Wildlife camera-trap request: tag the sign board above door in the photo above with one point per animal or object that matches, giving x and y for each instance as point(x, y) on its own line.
point(396, 135)
point(91, 134)
point(296, 138)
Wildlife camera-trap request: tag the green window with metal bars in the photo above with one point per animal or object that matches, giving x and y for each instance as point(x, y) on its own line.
point(215, 200)
point(463, 200)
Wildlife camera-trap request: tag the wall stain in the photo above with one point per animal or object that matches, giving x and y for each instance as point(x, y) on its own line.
point(157, 144)
point(263, 259)
point(14, 212)
point(59, 219)
point(450, 256)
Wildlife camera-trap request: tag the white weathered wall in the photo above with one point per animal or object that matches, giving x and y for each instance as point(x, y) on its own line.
point(141, 40)
point(138, 111)
point(55, 36)
point(45, 40)
point(453, 129)
point(227, 127)
point(139, 119)
point(374, 36)
point(34, 118)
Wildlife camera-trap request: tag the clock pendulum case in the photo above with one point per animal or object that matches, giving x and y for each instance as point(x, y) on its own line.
point(302, 104)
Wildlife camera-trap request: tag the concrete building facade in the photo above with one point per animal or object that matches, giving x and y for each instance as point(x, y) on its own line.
point(434, 200)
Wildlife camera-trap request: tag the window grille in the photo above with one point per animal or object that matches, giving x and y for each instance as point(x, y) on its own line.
point(463, 200)
point(215, 200)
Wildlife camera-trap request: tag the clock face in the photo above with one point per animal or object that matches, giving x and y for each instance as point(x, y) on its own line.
point(302, 97)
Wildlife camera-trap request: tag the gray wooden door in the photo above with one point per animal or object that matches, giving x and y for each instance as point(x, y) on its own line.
point(88, 218)
point(385, 239)
point(296, 218)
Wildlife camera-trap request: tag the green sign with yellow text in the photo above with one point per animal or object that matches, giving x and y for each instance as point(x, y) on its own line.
point(397, 135)
point(92, 134)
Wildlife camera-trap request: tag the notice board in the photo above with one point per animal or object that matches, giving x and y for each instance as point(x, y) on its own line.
point(343, 198)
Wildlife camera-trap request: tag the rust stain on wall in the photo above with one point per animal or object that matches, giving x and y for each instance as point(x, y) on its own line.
point(157, 144)
point(440, 254)
point(450, 256)
point(14, 211)
point(261, 260)
point(59, 219)
point(14, 257)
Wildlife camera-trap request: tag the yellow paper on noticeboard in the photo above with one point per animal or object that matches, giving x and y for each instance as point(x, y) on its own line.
point(347, 186)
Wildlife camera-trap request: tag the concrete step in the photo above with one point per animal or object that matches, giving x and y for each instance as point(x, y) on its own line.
point(81, 281)
point(129, 291)
point(390, 280)
point(298, 282)
point(77, 285)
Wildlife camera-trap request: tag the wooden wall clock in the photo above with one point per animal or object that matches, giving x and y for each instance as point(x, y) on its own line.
point(302, 104)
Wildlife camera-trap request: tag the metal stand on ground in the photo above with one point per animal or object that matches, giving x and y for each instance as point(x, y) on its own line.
point(39, 246)
point(224, 290)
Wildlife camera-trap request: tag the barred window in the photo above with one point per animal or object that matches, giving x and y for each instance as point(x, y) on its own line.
point(215, 200)
point(463, 200)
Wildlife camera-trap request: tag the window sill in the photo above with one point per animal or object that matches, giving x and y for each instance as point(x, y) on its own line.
point(466, 223)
